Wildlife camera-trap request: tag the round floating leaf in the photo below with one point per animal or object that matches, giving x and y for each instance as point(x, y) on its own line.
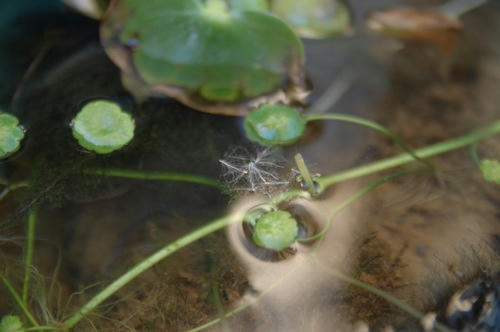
point(203, 51)
point(103, 127)
point(314, 18)
point(491, 170)
point(272, 125)
point(10, 135)
point(275, 230)
point(11, 323)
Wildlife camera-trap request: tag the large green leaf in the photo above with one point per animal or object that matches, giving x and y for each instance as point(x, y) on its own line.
point(215, 53)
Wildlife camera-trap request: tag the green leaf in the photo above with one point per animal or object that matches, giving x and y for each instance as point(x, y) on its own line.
point(10, 135)
point(314, 18)
point(272, 125)
point(491, 170)
point(11, 324)
point(275, 230)
point(103, 127)
point(213, 53)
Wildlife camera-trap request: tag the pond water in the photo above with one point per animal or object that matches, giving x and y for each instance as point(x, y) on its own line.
point(421, 237)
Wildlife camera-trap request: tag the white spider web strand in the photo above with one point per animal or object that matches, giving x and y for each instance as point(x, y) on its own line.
point(261, 172)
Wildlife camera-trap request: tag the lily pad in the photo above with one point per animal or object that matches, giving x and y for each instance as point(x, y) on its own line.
point(272, 125)
point(314, 18)
point(202, 52)
point(491, 170)
point(10, 135)
point(103, 127)
point(275, 230)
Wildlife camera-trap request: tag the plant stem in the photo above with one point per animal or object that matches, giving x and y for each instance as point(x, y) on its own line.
point(287, 195)
point(18, 300)
point(401, 159)
point(351, 199)
point(164, 252)
point(475, 154)
point(370, 124)
point(162, 176)
point(11, 187)
point(29, 253)
point(248, 304)
point(388, 297)
point(43, 328)
point(149, 262)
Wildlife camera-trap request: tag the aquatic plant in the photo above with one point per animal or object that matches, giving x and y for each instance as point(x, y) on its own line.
point(324, 182)
point(244, 61)
point(272, 125)
point(11, 134)
point(102, 126)
point(268, 235)
point(275, 230)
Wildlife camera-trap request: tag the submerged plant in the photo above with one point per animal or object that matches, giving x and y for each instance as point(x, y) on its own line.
point(103, 127)
point(11, 135)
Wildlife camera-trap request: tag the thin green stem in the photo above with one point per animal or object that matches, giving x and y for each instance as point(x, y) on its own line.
point(8, 188)
point(388, 297)
point(159, 176)
point(224, 221)
point(43, 328)
point(428, 151)
point(336, 210)
point(30, 242)
point(18, 300)
point(248, 304)
point(475, 154)
point(164, 252)
point(148, 263)
point(370, 124)
point(353, 198)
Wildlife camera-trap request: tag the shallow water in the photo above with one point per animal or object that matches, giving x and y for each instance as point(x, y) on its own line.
point(420, 237)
